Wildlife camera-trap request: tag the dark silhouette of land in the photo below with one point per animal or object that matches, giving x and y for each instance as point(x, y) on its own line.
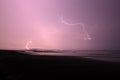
point(15, 65)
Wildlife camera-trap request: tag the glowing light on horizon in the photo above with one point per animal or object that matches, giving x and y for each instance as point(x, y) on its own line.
point(88, 37)
point(27, 45)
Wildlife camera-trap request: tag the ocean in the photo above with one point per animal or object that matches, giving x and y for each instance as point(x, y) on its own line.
point(105, 55)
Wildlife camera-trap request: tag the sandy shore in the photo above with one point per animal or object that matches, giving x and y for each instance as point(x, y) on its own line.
point(14, 64)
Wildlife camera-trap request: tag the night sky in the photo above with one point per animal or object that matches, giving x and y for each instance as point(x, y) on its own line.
point(57, 24)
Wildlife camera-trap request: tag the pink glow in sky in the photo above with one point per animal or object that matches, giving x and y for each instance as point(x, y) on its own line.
point(38, 21)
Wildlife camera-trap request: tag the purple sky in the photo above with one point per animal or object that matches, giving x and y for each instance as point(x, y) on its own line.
point(40, 21)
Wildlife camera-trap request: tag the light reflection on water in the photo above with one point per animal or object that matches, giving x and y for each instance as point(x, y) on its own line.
point(111, 55)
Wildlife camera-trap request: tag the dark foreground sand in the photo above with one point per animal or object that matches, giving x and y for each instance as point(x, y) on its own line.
point(17, 66)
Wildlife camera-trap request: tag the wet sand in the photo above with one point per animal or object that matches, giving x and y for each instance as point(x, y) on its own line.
point(18, 65)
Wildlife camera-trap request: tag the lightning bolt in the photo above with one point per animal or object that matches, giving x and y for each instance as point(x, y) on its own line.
point(88, 37)
point(27, 45)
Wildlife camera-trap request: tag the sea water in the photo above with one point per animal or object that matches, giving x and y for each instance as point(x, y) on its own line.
point(106, 55)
